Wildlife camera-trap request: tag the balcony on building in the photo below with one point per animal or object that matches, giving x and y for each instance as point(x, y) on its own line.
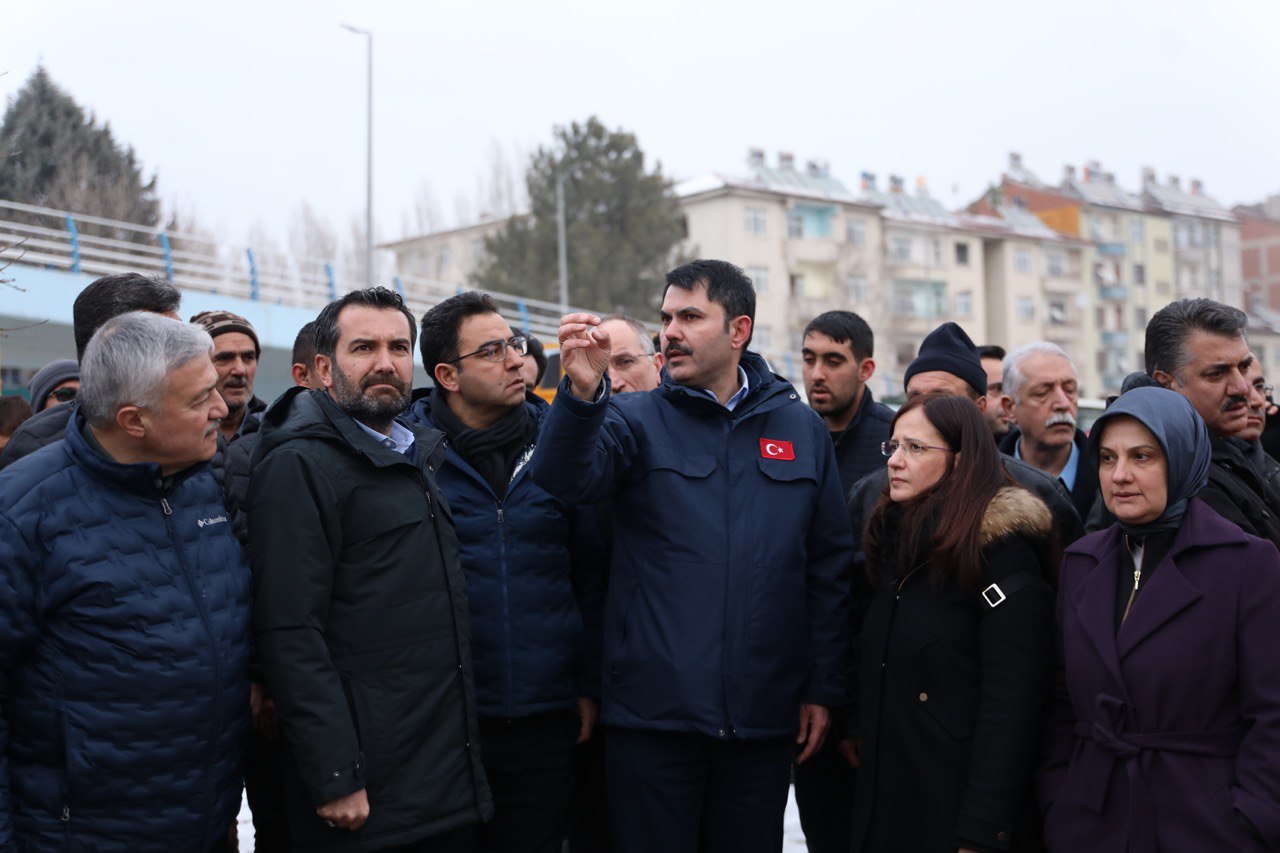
point(809, 234)
point(1113, 292)
point(1111, 250)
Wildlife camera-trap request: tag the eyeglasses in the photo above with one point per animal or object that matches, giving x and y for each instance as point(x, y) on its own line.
point(497, 350)
point(64, 395)
point(915, 448)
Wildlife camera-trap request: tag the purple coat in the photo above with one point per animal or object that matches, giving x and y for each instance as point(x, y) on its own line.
point(1162, 734)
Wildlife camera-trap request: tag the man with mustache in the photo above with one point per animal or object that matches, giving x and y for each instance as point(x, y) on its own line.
point(361, 608)
point(533, 568)
point(1198, 348)
point(1040, 382)
point(235, 353)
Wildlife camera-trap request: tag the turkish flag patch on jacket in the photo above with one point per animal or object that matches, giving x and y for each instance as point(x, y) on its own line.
point(772, 448)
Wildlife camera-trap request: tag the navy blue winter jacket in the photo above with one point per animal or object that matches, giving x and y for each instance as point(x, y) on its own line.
point(728, 595)
point(124, 646)
point(535, 577)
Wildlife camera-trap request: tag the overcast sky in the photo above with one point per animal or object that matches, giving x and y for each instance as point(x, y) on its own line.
point(246, 110)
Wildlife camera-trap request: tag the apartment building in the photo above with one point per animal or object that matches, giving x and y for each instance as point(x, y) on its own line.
point(1206, 239)
point(1260, 249)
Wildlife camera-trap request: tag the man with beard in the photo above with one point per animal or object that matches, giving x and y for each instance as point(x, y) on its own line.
point(1256, 424)
point(1040, 381)
point(1198, 348)
point(837, 355)
point(361, 614)
point(235, 353)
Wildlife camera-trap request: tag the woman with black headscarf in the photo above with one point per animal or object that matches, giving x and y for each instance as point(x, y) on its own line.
point(1165, 729)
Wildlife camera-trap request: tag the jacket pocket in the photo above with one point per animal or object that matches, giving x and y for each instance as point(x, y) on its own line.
point(694, 465)
point(943, 694)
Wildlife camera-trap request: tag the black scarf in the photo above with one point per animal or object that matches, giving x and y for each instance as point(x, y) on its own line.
point(494, 451)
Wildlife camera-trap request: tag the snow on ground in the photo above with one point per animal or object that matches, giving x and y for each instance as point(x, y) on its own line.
point(792, 837)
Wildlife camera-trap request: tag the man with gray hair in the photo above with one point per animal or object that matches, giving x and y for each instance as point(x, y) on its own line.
point(633, 365)
point(1198, 348)
point(124, 610)
point(1040, 382)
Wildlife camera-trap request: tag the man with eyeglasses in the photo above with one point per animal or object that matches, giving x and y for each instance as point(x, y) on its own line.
point(633, 364)
point(533, 567)
point(54, 384)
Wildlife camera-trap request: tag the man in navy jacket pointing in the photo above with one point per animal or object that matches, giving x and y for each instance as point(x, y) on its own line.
point(725, 621)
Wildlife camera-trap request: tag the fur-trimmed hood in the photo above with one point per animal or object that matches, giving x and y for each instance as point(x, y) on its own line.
point(1015, 510)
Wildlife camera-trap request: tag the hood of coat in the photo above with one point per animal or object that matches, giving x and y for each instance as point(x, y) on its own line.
point(1014, 510)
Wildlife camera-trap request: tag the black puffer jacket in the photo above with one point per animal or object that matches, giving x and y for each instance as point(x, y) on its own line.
point(361, 621)
point(1238, 493)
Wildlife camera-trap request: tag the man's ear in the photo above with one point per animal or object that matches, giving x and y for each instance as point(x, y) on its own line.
point(739, 331)
point(658, 360)
point(1165, 379)
point(133, 420)
point(981, 403)
point(865, 370)
point(324, 369)
point(446, 376)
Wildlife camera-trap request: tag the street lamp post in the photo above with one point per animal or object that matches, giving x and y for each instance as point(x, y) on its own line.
point(368, 187)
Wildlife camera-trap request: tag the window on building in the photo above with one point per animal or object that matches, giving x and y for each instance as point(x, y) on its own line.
point(756, 219)
point(1139, 317)
point(1139, 274)
point(445, 259)
point(795, 225)
point(759, 278)
point(964, 303)
point(1055, 264)
point(905, 354)
point(855, 232)
point(1022, 260)
point(476, 249)
point(900, 249)
point(761, 338)
point(797, 285)
point(1058, 312)
point(962, 254)
point(1194, 234)
point(935, 253)
point(1026, 308)
point(1137, 232)
point(1162, 287)
point(857, 288)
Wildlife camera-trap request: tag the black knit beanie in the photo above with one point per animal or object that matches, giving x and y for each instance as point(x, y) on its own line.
point(949, 349)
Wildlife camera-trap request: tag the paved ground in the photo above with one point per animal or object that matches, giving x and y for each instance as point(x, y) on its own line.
point(793, 838)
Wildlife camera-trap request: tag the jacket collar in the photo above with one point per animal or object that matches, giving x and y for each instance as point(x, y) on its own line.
point(1170, 591)
point(145, 478)
point(765, 387)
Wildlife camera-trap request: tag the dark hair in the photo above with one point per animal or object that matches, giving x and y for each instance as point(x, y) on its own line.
point(941, 527)
point(843, 326)
point(726, 284)
point(326, 325)
point(113, 295)
point(1169, 328)
point(13, 411)
point(441, 324)
point(539, 353)
point(992, 351)
point(304, 345)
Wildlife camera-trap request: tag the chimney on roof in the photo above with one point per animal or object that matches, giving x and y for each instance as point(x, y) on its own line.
point(895, 184)
point(922, 186)
point(868, 182)
point(1109, 177)
point(1197, 186)
point(755, 157)
point(786, 160)
point(817, 168)
point(1068, 173)
point(1175, 182)
point(1148, 176)
point(1015, 160)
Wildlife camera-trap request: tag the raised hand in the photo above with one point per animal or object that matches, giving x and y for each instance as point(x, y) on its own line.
point(584, 353)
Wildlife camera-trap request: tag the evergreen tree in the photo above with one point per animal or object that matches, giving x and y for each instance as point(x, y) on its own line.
point(622, 225)
point(58, 156)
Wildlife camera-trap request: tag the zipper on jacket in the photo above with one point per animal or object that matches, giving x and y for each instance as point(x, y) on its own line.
point(201, 602)
point(508, 663)
point(1137, 578)
point(66, 813)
